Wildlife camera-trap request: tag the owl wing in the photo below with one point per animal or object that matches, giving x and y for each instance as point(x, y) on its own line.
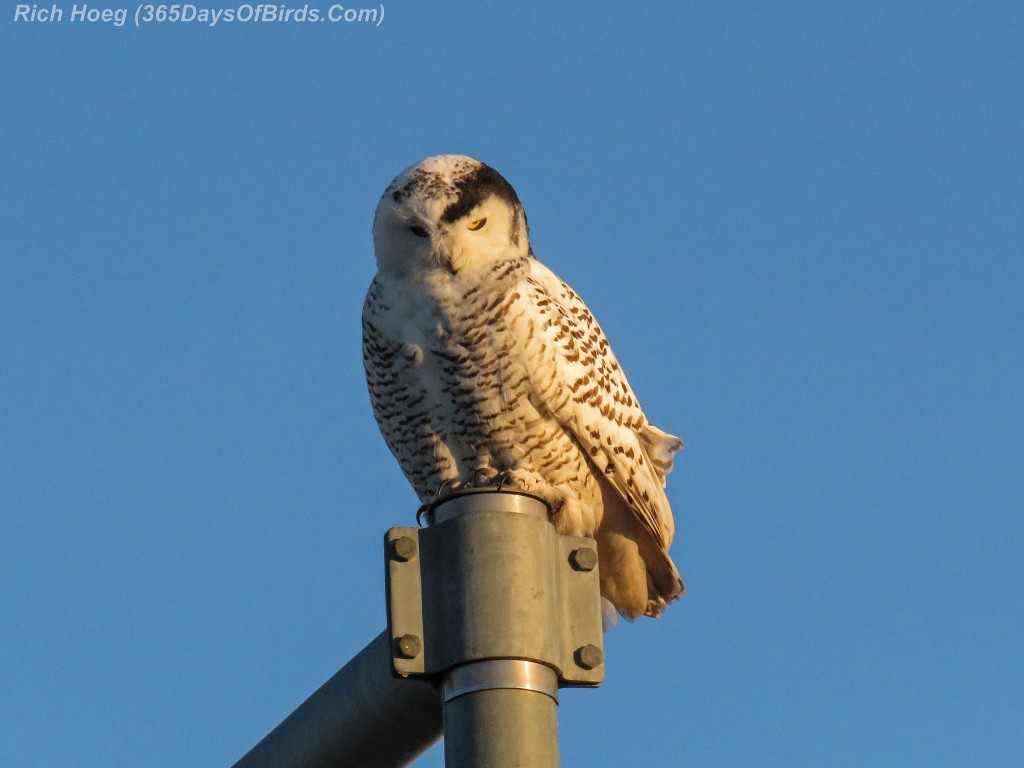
point(575, 377)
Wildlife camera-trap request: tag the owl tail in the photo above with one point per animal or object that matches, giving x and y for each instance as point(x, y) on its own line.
point(637, 574)
point(664, 583)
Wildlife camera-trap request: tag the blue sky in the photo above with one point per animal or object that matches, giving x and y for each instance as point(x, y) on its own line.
point(800, 226)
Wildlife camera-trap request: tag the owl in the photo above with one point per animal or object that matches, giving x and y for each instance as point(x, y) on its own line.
point(484, 367)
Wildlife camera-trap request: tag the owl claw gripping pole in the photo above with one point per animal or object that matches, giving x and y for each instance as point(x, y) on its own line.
point(493, 602)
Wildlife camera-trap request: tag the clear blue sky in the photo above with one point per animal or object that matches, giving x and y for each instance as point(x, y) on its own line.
point(800, 225)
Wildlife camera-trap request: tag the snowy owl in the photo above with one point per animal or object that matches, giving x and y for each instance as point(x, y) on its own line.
point(484, 366)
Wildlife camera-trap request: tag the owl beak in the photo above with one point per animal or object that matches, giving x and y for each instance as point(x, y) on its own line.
point(449, 265)
point(444, 257)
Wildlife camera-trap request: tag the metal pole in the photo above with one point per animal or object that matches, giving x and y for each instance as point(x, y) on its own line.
point(499, 606)
point(363, 716)
point(489, 601)
point(498, 713)
point(501, 714)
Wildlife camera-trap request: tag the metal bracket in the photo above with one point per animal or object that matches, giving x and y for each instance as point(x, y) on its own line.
point(582, 633)
point(404, 600)
point(493, 585)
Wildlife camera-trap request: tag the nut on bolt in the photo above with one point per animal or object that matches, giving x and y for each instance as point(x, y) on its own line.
point(403, 548)
point(589, 657)
point(583, 559)
point(408, 646)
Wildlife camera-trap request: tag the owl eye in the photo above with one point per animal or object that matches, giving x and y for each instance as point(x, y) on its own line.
point(478, 224)
point(419, 231)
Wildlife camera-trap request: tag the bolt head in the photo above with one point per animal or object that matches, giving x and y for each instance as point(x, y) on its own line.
point(584, 559)
point(403, 549)
point(589, 657)
point(408, 646)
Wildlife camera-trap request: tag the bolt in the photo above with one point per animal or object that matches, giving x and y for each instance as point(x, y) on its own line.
point(403, 549)
point(408, 646)
point(583, 559)
point(588, 657)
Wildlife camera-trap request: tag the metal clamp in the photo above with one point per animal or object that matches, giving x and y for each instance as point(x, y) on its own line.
point(518, 674)
point(491, 579)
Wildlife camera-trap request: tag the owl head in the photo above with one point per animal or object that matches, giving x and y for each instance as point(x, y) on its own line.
point(448, 213)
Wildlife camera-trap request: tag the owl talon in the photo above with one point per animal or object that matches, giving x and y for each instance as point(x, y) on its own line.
point(484, 477)
point(448, 487)
point(502, 478)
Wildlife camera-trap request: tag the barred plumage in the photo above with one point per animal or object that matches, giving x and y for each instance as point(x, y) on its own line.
point(480, 361)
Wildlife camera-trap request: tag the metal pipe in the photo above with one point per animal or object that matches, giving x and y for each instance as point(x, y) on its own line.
point(363, 716)
point(518, 674)
point(490, 602)
point(501, 728)
point(492, 616)
point(500, 713)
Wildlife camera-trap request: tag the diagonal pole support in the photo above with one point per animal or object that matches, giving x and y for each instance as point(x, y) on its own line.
point(363, 716)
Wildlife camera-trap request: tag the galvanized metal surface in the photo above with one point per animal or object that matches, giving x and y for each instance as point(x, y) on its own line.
point(489, 600)
point(363, 716)
point(404, 589)
point(501, 728)
point(491, 579)
point(515, 674)
point(472, 500)
point(492, 599)
point(491, 589)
